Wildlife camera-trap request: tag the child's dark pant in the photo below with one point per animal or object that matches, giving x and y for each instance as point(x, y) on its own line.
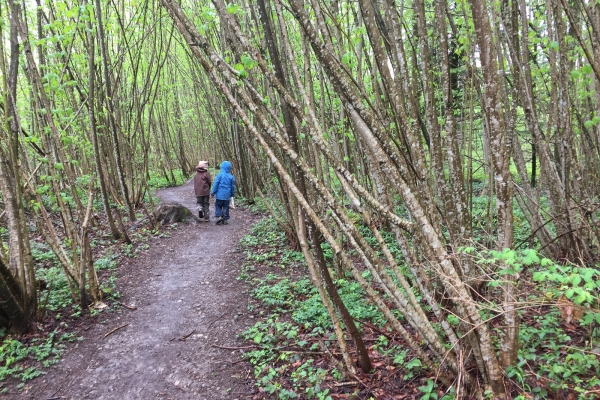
point(203, 201)
point(222, 208)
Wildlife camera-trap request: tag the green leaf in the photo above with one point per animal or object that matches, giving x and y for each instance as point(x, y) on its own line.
point(242, 71)
point(414, 363)
point(346, 58)
point(576, 280)
point(587, 69)
point(452, 319)
point(530, 257)
point(233, 8)
point(59, 166)
point(587, 319)
point(545, 262)
point(580, 299)
point(258, 338)
point(569, 293)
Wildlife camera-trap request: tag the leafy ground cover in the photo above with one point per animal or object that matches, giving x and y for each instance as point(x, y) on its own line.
point(295, 355)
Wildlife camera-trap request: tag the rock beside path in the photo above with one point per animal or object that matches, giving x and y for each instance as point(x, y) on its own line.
point(170, 213)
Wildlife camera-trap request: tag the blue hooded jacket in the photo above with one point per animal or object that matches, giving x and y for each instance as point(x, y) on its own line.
point(224, 186)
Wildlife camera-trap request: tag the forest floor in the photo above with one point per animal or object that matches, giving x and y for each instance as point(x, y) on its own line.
point(187, 302)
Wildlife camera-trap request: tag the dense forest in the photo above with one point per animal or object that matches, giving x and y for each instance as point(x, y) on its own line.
point(442, 155)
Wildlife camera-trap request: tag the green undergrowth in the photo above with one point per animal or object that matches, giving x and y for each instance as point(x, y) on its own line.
point(166, 179)
point(555, 358)
point(559, 339)
point(24, 359)
point(283, 365)
point(294, 334)
point(559, 332)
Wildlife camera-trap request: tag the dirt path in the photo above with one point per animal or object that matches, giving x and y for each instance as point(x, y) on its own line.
point(188, 300)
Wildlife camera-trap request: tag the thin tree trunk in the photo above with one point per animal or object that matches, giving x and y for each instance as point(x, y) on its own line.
point(111, 112)
point(94, 135)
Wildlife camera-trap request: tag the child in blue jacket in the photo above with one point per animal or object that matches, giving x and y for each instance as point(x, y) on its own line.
point(224, 189)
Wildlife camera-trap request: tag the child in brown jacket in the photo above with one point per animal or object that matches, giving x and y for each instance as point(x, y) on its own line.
point(202, 182)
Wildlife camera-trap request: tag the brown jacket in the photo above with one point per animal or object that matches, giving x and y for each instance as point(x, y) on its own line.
point(202, 180)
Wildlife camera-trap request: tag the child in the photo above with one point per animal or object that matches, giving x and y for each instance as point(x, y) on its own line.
point(202, 181)
point(224, 189)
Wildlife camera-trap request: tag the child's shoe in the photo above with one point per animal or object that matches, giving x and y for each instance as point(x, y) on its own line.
point(206, 219)
point(226, 222)
point(220, 221)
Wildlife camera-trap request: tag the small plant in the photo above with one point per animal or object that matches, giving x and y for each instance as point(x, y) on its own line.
point(581, 285)
point(16, 357)
point(428, 391)
point(412, 367)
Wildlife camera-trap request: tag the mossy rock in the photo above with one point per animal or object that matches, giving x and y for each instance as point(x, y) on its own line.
point(170, 213)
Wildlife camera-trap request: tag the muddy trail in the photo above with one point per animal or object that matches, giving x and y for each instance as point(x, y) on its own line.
point(187, 301)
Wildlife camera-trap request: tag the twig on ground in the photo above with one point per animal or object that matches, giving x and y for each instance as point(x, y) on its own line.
point(127, 306)
point(300, 352)
point(116, 329)
point(345, 384)
point(54, 396)
point(188, 335)
point(220, 316)
point(361, 382)
point(236, 348)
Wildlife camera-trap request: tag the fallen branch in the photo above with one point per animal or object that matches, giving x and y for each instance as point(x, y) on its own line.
point(114, 330)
